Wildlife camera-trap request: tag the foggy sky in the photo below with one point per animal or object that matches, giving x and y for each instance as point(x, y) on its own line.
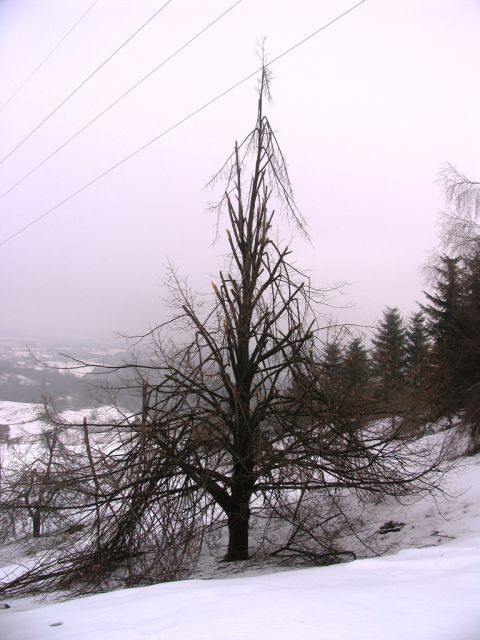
point(366, 113)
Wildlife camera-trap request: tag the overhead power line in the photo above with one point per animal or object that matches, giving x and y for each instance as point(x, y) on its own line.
point(89, 77)
point(119, 99)
point(177, 124)
point(27, 80)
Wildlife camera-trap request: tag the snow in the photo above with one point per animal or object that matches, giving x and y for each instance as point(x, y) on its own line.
point(427, 588)
point(417, 594)
point(25, 418)
point(20, 414)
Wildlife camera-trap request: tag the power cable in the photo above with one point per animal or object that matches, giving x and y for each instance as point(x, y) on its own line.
point(119, 99)
point(18, 89)
point(89, 77)
point(177, 124)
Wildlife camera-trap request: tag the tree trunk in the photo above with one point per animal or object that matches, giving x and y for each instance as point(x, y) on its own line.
point(238, 534)
point(36, 523)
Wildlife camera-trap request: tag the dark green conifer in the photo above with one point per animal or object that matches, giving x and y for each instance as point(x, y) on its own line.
point(389, 351)
point(417, 351)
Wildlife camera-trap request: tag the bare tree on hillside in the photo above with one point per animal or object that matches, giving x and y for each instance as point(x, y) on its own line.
point(234, 417)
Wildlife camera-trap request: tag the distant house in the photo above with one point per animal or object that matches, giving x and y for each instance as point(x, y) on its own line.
point(4, 432)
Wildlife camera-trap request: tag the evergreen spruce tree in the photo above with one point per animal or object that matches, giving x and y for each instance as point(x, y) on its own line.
point(332, 360)
point(356, 364)
point(445, 302)
point(390, 350)
point(453, 316)
point(454, 309)
point(471, 350)
point(357, 380)
point(331, 373)
point(417, 351)
point(388, 359)
point(445, 315)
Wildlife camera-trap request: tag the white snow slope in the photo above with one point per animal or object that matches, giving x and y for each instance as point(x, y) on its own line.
point(431, 593)
point(417, 594)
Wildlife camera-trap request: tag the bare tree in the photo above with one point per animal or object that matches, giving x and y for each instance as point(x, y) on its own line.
point(234, 416)
point(32, 485)
point(460, 229)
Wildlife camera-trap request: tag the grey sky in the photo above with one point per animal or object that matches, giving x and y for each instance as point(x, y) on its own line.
point(366, 114)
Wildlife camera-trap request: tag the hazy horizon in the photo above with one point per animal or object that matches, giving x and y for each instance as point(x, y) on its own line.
point(366, 112)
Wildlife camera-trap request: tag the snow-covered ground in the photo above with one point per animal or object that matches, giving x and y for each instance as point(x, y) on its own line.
point(427, 588)
point(25, 419)
point(21, 417)
point(417, 594)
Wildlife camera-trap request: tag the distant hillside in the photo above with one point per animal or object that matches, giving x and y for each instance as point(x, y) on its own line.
point(24, 379)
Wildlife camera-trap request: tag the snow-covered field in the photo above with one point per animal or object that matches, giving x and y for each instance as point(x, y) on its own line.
point(24, 418)
point(21, 417)
point(424, 594)
point(428, 588)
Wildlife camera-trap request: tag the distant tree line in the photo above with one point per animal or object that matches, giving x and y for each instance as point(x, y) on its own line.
point(426, 367)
